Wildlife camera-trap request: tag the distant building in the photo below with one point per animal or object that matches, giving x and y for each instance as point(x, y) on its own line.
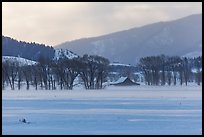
point(124, 81)
point(118, 70)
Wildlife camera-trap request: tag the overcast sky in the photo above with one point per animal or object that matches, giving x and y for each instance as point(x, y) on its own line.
point(55, 23)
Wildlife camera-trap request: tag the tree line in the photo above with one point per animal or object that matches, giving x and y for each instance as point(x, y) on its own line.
point(28, 50)
point(93, 70)
point(161, 70)
point(49, 74)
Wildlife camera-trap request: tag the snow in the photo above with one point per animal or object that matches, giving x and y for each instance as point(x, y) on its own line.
point(21, 61)
point(194, 70)
point(120, 80)
point(59, 53)
point(119, 64)
point(193, 54)
point(114, 73)
point(114, 110)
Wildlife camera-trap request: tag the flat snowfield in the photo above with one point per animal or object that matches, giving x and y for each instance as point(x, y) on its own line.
point(136, 110)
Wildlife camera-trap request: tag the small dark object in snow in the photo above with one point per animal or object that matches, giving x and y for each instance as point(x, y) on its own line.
point(23, 120)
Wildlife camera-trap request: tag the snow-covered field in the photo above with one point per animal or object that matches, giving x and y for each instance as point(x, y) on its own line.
point(115, 110)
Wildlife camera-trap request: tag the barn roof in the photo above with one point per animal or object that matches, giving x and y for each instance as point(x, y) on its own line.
point(124, 81)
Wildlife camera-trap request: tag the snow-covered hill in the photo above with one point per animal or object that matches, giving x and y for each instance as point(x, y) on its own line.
point(21, 61)
point(61, 53)
point(178, 37)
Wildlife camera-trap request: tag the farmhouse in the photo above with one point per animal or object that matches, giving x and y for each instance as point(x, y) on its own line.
point(124, 81)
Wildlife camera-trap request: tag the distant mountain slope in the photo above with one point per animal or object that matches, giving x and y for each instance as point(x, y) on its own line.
point(178, 37)
point(31, 51)
point(12, 48)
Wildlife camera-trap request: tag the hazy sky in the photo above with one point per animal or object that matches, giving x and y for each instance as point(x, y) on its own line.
point(54, 23)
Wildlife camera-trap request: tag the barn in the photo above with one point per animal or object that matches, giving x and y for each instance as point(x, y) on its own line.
point(124, 81)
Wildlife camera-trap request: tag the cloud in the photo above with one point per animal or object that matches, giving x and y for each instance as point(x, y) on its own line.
point(54, 23)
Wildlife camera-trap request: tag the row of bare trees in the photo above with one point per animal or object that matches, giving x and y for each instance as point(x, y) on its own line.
point(161, 70)
point(93, 71)
point(50, 74)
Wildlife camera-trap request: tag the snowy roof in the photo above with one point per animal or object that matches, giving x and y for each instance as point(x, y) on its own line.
point(119, 64)
point(120, 80)
point(124, 81)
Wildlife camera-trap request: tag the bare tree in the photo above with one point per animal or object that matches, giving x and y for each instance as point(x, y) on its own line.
point(19, 76)
point(186, 70)
point(93, 71)
point(198, 66)
point(3, 75)
point(44, 71)
point(27, 73)
point(10, 69)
